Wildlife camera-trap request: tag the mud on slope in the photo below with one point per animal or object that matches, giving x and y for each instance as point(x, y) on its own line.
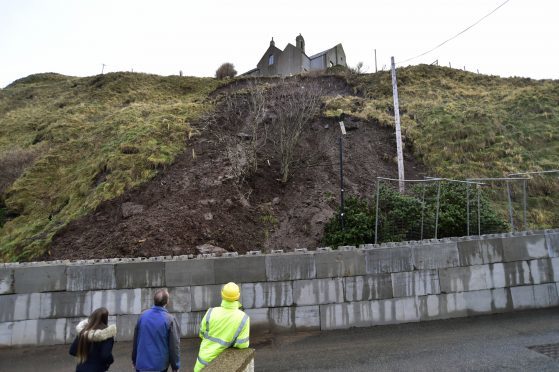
point(197, 200)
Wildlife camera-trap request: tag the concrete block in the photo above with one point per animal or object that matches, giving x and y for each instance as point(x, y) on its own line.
point(521, 248)
point(290, 267)
point(282, 319)
point(541, 271)
point(179, 299)
point(415, 283)
point(515, 273)
point(125, 325)
point(307, 318)
point(267, 294)
point(204, 297)
point(6, 281)
point(241, 269)
point(259, 320)
point(534, 296)
point(368, 287)
point(190, 323)
point(39, 332)
point(388, 260)
point(345, 315)
point(318, 291)
point(189, 272)
point(118, 301)
point(395, 310)
point(442, 306)
point(480, 252)
point(552, 243)
point(140, 274)
point(555, 268)
point(468, 278)
point(65, 304)
point(340, 264)
point(88, 277)
point(20, 307)
point(46, 278)
point(6, 330)
point(487, 301)
point(435, 256)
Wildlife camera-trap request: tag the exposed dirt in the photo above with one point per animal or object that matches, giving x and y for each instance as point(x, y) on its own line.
point(197, 200)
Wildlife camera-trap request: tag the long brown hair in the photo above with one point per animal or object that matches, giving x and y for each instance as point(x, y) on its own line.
point(98, 319)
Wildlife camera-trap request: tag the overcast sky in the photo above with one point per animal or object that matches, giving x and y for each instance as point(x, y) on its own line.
point(75, 37)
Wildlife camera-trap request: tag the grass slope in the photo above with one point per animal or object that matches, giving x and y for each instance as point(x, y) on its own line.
point(96, 137)
point(463, 124)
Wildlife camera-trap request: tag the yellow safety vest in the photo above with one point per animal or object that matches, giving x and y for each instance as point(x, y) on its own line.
point(221, 328)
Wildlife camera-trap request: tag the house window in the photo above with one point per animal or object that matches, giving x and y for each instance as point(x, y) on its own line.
point(271, 59)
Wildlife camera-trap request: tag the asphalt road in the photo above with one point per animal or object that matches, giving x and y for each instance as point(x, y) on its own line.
point(486, 343)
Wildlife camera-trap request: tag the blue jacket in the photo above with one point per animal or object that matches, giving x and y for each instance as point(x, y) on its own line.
point(156, 341)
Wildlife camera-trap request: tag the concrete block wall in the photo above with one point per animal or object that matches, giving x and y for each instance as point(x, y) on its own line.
point(41, 303)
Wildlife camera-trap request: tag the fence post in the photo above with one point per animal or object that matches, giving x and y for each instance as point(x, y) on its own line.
point(468, 209)
point(376, 212)
point(510, 207)
point(422, 210)
point(438, 203)
point(478, 211)
point(525, 192)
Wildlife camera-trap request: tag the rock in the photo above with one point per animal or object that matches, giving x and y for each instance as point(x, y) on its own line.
point(228, 202)
point(276, 200)
point(207, 201)
point(129, 209)
point(208, 216)
point(209, 249)
point(244, 136)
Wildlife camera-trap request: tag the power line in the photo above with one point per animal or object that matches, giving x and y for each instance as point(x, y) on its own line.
point(455, 36)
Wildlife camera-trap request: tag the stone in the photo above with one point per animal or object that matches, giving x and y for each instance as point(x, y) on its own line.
point(291, 266)
point(369, 287)
point(267, 294)
point(339, 263)
point(140, 274)
point(209, 249)
point(189, 272)
point(88, 277)
point(47, 278)
point(208, 216)
point(241, 269)
point(415, 283)
point(6, 281)
point(318, 291)
point(130, 209)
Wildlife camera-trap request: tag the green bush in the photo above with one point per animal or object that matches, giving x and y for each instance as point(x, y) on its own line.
point(401, 216)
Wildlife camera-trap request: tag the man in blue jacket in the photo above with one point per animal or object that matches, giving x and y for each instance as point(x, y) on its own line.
point(157, 338)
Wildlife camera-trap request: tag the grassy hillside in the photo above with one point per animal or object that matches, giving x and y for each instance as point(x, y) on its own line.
point(462, 124)
point(88, 140)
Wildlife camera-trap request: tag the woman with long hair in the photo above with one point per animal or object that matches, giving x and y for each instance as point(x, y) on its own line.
point(93, 346)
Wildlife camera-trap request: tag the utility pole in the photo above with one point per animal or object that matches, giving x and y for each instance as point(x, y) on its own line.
point(398, 132)
point(342, 129)
point(376, 70)
point(103, 68)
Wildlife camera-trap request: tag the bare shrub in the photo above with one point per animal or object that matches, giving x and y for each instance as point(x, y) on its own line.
point(255, 123)
point(295, 105)
point(13, 163)
point(358, 69)
point(226, 70)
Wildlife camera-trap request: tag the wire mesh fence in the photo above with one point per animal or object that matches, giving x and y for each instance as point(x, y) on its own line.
point(439, 207)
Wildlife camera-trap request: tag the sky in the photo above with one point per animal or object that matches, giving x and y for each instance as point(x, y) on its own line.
point(76, 37)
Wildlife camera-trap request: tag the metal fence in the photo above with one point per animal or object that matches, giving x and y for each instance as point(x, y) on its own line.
point(441, 207)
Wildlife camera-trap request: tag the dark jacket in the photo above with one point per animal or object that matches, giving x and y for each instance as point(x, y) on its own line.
point(100, 355)
point(156, 341)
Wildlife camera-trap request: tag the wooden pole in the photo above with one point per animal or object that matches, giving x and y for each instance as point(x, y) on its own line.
point(398, 132)
point(376, 70)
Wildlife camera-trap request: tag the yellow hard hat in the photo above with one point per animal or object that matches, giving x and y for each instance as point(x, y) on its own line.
point(230, 292)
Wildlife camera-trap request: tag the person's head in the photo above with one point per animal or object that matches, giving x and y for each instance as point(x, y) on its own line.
point(230, 292)
point(99, 319)
point(161, 297)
